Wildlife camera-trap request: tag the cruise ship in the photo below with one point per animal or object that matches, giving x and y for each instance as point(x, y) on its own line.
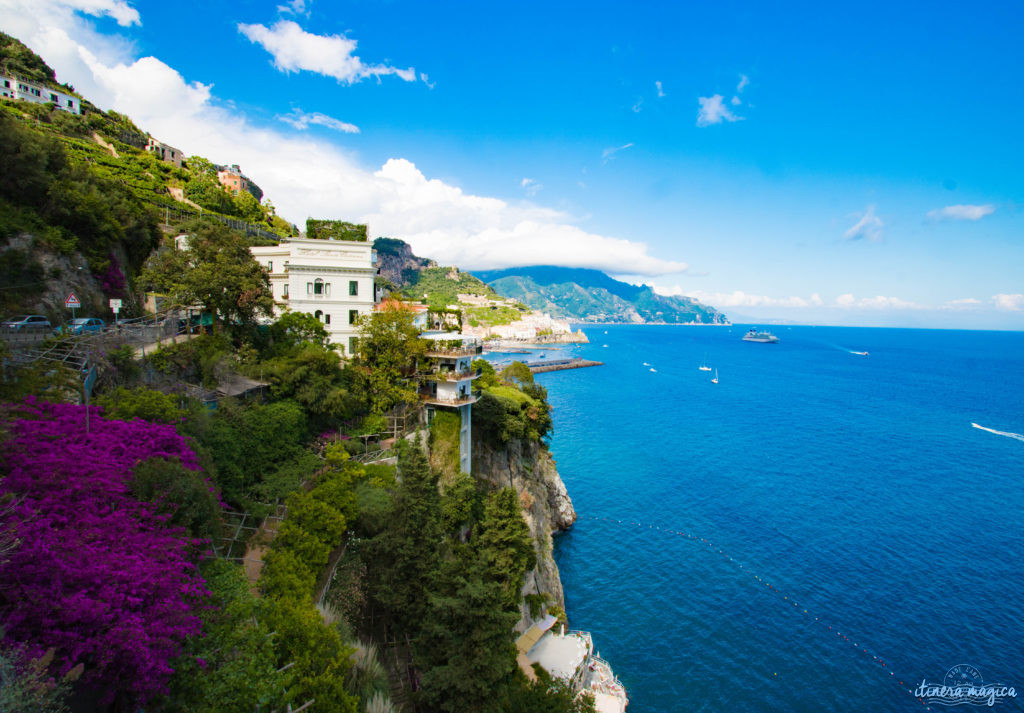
point(764, 337)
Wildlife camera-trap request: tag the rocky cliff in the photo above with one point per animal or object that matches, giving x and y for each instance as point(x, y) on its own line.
point(529, 469)
point(397, 263)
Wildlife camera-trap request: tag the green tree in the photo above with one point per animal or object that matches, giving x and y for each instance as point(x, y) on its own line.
point(467, 639)
point(217, 271)
point(124, 404)
point(517, 373)
point(233, 666)
point(389, 347)
point(406, 553)
point(294, 329)
point(505, 544)
point(186, 496)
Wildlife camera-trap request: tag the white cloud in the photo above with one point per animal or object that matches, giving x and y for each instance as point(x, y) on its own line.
point(301, 121)
point(738, 298)
point(713, 111)
point(531, 186)
point(294, 49)
point(1009, 302)
point(868, 226)
point(609, 153)
point(294, 7)
point(962, 212)
point(308, 176)
point(848, 301)
point(638, 106)
point(744, 81)
point(965, 303)
point(735, 101)
point(661, 91)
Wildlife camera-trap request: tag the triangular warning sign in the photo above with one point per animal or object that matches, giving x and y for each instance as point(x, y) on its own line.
point(72, 301)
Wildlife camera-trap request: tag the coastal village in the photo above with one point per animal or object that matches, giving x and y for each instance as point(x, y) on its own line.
point(329, 273)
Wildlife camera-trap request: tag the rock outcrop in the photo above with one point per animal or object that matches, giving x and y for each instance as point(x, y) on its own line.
point(529, 469)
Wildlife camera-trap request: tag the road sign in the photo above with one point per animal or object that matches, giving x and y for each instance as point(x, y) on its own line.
point(115, 305)
point(72, 301)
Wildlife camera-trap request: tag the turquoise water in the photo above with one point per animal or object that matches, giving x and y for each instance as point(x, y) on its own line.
point(854, 486)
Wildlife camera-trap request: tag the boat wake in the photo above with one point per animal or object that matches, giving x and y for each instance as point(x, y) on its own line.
point(1018, 436)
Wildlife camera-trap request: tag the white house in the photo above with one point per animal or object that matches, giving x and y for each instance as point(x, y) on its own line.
point(329, 279)
point(24, 90)
point(450, 384)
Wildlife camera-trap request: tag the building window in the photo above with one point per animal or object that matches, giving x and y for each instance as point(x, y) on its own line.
point(309, 288)
point(327, 319)
point(284, 290)
point(352, 345)
point(270, 266)
point(353, 315)
point(318, 286)
point(71, 104)
point(319, 315)
point(353, 288)
point(54, 98)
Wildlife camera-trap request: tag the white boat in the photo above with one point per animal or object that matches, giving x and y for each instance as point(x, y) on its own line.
point(764, 337)
point(654, 370)
point(704, 366)
point(715, 380)
point(860, 353)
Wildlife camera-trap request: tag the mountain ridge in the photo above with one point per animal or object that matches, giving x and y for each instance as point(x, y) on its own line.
point(587, 295)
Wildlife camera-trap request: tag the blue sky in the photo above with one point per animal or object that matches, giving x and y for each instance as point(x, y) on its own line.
point(854, 164)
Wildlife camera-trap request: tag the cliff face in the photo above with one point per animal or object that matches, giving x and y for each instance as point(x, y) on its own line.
point(397, 263)
point(530, 471)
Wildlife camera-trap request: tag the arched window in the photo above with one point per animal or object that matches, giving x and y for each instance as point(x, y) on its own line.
point(319, 315)
point(318, 286)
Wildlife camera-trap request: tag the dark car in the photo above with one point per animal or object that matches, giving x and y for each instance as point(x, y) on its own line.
point(81, 325)
point(26, 322)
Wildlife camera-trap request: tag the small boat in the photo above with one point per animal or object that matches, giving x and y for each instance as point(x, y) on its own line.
point(654, 370)
point(860, 353)
point(646, 364)
point(704, 366)
point(715, 380)
point(763, 337)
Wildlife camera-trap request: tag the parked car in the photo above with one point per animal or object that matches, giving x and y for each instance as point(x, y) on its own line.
point(81, 325)
point(26, 322)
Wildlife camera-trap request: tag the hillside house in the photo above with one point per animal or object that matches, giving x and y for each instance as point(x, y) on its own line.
point(329, 279)
point(24, 90)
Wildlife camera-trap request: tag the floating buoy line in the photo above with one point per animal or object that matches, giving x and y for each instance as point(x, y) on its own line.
point(859, 648)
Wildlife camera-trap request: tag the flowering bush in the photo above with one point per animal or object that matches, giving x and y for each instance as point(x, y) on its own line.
point(97, 576)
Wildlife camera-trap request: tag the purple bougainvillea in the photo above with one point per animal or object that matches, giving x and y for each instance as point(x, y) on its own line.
point(112, 279)
point(96, 575)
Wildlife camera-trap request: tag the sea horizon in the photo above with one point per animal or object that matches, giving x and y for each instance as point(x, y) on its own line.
point(853, 486)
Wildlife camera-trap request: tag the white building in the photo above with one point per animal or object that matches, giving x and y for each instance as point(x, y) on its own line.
point(450, 384)
point(15, 88)
point(329, 279)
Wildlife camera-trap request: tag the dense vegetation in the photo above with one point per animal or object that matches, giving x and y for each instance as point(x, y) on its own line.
point(85, 185)
point(129, 580)
point(441, 290)
point(336, 230)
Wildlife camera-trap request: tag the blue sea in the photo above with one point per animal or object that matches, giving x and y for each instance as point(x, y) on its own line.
point(859, 531)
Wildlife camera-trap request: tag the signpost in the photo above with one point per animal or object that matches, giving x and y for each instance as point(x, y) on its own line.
point(72, 302)
point(115, 305)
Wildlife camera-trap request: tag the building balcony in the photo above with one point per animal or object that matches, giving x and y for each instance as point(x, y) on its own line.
point(449, 375)
point(433, 400)
point(441, 350)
